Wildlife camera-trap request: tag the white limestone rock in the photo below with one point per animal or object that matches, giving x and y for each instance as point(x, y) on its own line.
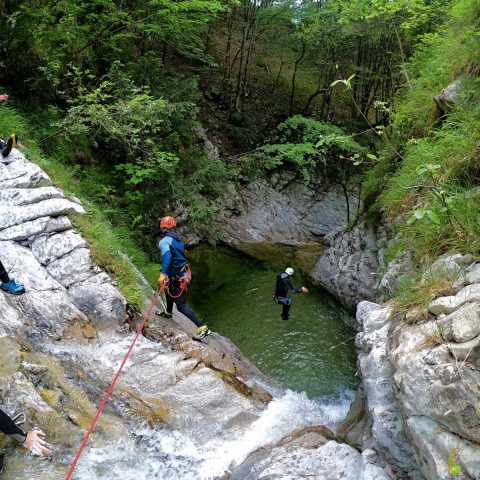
point(49, 312)
point(16, 215)
point(347, 269)
point(23, 174)
point(18, 394)
point(463, 324)
point(331, 461)
point(14, 156)
point(51, 247)
point(466, 352)
point(448, 393)
point(11, 319)
point(35, 227)
point(283, 209)
point(73, 268)
point(100, 300)
point(22, 265)
point(471, 293)
point(28, 196)
point(387, 432)
point(452, 267)
point(472, 274)
point(448, 98)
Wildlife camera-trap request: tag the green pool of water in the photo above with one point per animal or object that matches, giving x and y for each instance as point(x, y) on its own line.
point(232, 293)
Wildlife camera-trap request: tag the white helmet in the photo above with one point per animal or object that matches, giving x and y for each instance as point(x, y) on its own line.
point(290, 271)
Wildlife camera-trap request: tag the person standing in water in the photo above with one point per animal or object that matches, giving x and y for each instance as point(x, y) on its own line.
point(282, 288)
point(176, 275)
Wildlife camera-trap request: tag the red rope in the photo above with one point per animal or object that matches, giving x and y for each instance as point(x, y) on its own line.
point(112, 386)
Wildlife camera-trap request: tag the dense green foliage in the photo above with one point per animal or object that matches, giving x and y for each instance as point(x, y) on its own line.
point(308, 147)
point(427, 177)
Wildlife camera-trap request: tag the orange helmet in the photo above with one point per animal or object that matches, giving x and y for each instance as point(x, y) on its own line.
point(168, 222)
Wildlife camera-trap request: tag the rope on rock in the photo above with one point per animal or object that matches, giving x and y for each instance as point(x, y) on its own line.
point(112, 386)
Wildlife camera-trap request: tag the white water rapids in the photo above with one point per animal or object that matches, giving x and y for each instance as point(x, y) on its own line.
point(166, 455)
point(163, 453)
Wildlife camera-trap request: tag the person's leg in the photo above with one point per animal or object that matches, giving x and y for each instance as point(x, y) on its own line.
point(8, 284)
point(169, 303)
point(182, 306)
point(3, 274)
point(287, 304)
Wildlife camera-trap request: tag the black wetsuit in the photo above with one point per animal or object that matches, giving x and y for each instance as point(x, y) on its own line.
point(283, 286)
point(8, 427)
point(3, 274)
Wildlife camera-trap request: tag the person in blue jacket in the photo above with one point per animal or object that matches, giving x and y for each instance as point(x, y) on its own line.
point(176, 275)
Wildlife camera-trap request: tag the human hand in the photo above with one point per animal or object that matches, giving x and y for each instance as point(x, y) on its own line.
point(3, 97)
point(304, 289)
point(162, 279)
point(36, 444)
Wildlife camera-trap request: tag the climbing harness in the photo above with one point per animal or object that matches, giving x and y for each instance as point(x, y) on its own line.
point(183, 278)
point(112, 385)
point(282, 300)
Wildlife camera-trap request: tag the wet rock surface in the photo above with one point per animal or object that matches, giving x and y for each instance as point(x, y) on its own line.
point(308, 453)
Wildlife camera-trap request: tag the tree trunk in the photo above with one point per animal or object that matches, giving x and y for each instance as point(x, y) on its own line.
point(297, 62)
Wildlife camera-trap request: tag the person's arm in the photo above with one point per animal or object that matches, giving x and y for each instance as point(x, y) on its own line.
point(32, 440)
point(166, 255)
point(289, 284)
point(288, 281)
point(10, 428)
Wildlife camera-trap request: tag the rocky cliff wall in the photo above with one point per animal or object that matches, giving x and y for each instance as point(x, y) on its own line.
point(420, 371)
point(284, 209)
point(353, 266)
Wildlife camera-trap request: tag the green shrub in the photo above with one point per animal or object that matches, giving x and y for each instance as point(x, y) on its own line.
point(307, 147)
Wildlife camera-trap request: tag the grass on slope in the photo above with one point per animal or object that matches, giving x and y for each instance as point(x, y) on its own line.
point(430, 190)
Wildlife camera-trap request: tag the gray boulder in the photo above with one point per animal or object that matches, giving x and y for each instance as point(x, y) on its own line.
point(52, 247)
point(23, 174)
point(348, 268)
point(448, 97)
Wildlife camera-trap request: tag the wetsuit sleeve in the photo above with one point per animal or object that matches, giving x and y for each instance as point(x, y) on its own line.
point(166, 255)
point(290, 286)
point(8, 427)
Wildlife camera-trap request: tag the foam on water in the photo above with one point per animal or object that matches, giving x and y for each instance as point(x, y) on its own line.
point(169, 454)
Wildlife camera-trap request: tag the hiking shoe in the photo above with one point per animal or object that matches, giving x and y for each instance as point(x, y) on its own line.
point(12, 287)
point(203, 331)
point(165, 314)
point(11, 143)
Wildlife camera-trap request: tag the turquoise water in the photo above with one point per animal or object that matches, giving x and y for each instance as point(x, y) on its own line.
point(232, 293)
